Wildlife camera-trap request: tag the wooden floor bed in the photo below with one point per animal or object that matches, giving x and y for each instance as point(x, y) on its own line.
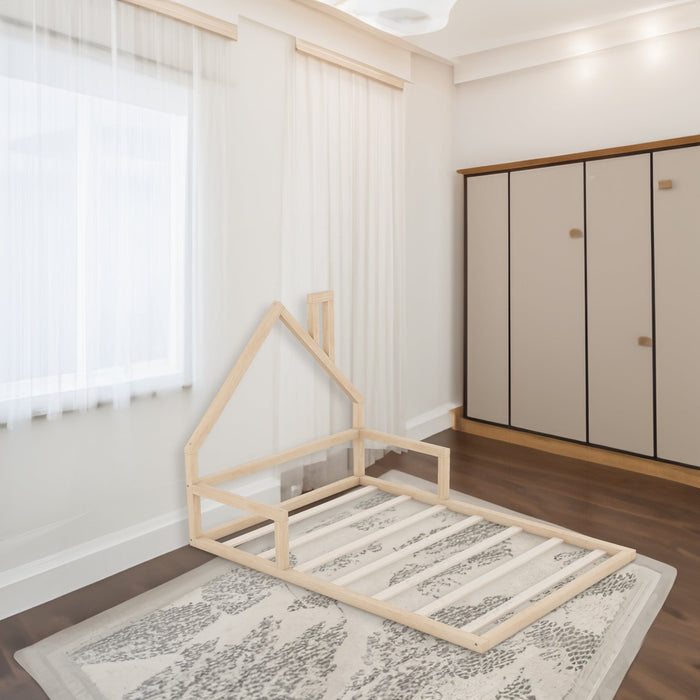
point(481, 634)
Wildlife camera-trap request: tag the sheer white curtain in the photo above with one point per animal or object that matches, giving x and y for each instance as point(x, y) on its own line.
point(344, 230)
point(99, 106)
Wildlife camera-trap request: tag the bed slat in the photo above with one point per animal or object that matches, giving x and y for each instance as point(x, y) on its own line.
point(333, 503)
point(406, 551)
point(488, 577)
point(323, 531)
point(540, 587)
point(368, 539)
point(445, 564)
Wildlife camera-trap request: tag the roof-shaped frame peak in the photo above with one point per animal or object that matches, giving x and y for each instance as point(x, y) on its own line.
point(278, 312)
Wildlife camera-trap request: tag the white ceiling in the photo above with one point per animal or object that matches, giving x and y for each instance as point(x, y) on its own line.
point(487, 24)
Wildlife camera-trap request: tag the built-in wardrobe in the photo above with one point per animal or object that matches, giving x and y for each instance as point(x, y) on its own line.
point(582, 298)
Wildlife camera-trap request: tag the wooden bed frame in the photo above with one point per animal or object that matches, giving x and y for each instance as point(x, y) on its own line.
point(319, 341)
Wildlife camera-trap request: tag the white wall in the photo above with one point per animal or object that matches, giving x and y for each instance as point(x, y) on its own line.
point(434, 252)
point(93, 493)
point(630, 94)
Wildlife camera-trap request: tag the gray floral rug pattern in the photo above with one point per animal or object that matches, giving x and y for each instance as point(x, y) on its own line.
point(226, 632)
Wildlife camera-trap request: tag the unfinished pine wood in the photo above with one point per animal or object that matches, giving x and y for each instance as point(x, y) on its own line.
point(447, 563)
point(540, 587)
point(224, 394)
point(305, 499)
point(328, 322)
point(555, 599)
point(406, 443)
point(257, 465)
point(315, 349)
point(443, 472)
point(368, 539)
point(421, 622)
point(443, 475)
point(312, 320)
point(340, 524)
point(358, 457)
point(233, 499)
point(388, 559)
point(282, 543)
point(320, 297)
point(358, 434)
point(333, 503)
point(358, 414)
point(327, 331)
point(194, 506)
point(341, 61)
point(188, 15)
point(479, 582)
point(345, 595)
point(495, 516)
point(358, 445)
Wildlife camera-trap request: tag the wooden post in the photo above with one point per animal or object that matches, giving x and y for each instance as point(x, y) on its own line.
point(312, 322)
point(194, 503)
point(328, 317)
point(233, 526)
point(322, 331)
point(358, 444)
point(282, 543)
point(443, 476)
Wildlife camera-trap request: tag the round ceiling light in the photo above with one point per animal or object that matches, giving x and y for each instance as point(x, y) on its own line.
point(400, 17)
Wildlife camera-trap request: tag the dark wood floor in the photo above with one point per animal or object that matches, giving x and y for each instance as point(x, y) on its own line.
point(661, 519)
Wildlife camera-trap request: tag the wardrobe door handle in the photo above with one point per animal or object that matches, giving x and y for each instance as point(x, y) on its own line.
point(576, 233)
point(645, 341)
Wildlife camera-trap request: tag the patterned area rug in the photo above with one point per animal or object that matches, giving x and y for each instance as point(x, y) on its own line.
point(224, 631)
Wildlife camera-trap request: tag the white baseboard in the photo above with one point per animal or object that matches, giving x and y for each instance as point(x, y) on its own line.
point(431, 422)
point(65, 571)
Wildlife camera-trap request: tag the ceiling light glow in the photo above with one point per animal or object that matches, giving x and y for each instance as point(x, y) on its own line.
point(399, 17)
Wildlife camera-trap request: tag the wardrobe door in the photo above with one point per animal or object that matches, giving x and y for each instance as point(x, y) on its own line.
point(677, 274)
point(620, 356)
point(547, 304)
point(486, 371)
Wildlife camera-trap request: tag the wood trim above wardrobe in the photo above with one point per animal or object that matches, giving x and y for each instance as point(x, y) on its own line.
point(304, 47)
point(585, 155)
point(188, 15)
point(565, 448)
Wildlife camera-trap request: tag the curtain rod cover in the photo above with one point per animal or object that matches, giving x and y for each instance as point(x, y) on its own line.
point(188, 15)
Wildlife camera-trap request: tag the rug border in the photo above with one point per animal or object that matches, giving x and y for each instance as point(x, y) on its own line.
point(34, 658)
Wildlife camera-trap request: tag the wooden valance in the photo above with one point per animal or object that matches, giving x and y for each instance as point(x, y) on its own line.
point(337, 59)
point(188, 15)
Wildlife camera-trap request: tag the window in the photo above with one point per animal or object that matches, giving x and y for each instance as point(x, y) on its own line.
point(94, 232)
